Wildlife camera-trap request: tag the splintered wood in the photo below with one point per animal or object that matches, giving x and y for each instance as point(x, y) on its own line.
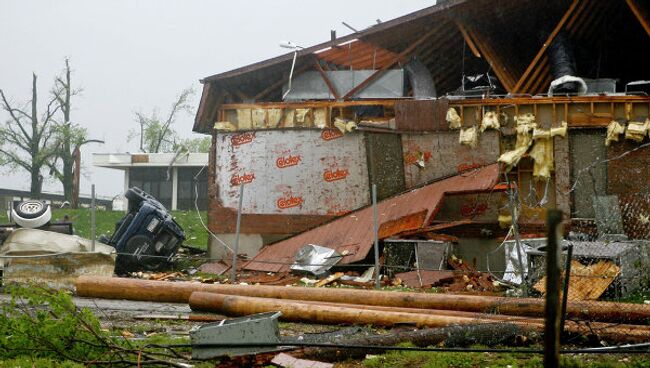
point(586, 282)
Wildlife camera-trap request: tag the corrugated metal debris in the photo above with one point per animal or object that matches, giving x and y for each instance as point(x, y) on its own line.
point(352, 234)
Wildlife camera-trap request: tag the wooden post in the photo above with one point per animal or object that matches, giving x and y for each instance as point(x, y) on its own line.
point(375, 226)
point(567, 278)
point(552, 314)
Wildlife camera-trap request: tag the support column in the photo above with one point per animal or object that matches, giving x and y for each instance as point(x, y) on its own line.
point(127, 172)
point(174, 188)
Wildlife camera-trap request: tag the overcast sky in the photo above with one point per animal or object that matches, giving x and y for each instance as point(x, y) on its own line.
point(137, 55)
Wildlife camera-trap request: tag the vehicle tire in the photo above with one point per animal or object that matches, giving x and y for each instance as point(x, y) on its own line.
point(135, 195)
point(31, 214)
point(138, 254)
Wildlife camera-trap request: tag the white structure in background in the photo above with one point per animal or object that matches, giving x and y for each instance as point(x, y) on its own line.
point(174, 179)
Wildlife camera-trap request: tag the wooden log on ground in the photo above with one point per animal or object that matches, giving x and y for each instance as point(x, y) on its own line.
point(332, 313)
point(489, 334)
point(179, 292)
point(296, 311)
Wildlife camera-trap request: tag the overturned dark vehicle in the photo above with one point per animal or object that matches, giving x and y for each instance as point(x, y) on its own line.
point(147, 237)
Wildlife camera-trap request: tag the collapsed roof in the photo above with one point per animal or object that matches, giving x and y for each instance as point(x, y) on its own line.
point(456, 38)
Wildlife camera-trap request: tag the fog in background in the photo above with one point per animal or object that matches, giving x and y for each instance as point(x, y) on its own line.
point(137, 55)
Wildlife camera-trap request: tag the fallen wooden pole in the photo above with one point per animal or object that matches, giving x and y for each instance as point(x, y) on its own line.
point(179, 292)
point(330, 313)
point(296, 311)
point(454, 336)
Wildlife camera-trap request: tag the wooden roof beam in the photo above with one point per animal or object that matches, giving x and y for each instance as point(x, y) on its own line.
point(399, 58)
point(468, 39)
point(326, 79)
point(492, 59)
point(279, 83)
point(567, 15)
point(639, 14)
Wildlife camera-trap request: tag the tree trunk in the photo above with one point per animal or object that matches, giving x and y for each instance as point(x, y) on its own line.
point(453, 336)
point(36, 183)
point(36, 180)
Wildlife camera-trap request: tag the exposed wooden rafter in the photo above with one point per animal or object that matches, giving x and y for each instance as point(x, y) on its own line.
point(558, 27)
point(326, 79)
point(640, 15)
point(493, 58)
point(468, 39)
point(279, 83)
point(399, 58)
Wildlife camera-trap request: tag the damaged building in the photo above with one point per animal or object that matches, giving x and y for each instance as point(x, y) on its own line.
point(450, 112)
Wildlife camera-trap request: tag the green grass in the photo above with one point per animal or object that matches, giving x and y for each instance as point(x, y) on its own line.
point(105, 220)
point(415, 359)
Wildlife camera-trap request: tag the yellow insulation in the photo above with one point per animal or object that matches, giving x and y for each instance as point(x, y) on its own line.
point(637, 131)
point(490, 121)
point(453, 119)
point(469, 137)
point(614, 129)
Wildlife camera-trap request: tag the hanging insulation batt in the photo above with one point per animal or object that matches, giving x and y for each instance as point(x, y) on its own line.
point(469, 137)
point(614, 129)
point(453, 119)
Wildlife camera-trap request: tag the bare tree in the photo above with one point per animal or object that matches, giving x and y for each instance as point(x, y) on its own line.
point(68, 139)
point(24, 138)
point(157, 135)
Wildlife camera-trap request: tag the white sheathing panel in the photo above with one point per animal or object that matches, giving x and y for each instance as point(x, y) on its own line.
point(441, 155)
point(307, 172)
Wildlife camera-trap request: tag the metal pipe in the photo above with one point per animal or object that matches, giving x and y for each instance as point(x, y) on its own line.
point(375, 226)
point(93, 229)
point(233, 268)
point(293, 65)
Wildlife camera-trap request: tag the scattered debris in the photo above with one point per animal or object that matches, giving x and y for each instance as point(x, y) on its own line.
point(31, 255)
point(329, 279)
point(426, 278)
point(315, 259)
point(587, 282)
point(287, 361)
point(259, 328)
point(217, 268)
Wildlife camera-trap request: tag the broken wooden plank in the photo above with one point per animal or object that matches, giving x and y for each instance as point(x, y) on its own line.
point(587, 282)
point(329, 279)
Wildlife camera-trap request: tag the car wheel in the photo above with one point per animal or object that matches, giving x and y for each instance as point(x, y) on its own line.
point(31, 214)
point(138, 254)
